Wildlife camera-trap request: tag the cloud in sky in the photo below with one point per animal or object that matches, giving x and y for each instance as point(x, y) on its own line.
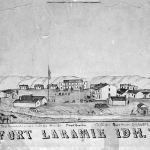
point(80, 39)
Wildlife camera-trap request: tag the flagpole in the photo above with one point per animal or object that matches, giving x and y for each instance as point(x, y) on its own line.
point(49, 77)
point(48, 89)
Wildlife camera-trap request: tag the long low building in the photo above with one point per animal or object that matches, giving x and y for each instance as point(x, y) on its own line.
point(117, 101)
point(30, 101)
point(75, 84)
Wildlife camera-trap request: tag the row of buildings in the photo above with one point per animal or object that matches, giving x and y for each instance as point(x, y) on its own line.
point(131, 91)
point(75, 84)
point(103, 91)
point(114, 96)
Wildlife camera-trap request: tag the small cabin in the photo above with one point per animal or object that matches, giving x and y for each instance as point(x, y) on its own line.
point(146, 94)
point(62, 93)
point(142, 109)
point(23, 87)
point(38, 86)
point(52, 86)
point(8, 93)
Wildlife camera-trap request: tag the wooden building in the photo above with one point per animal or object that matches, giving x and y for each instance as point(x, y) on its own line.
point(38, 86)
point(142, 109)
point(30, 101)
point(23, 87)
point(117, 101)
point(102, 91)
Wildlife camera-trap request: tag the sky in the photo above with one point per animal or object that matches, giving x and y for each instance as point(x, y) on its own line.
point(78, 39)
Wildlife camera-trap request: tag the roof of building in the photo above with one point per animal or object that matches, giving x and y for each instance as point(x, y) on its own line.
point(141, 105)
point(145, 92)
point(38, 85)
point(127, 84)
point(114, 98)
point(73, 80)
point(99, 86)
point(9, 91)
point(23, 85)
point(122, 91)
point(133, 91)
point(29, 99)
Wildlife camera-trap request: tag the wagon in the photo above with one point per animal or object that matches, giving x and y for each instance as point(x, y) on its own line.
point(32, 109)
point(100, 105)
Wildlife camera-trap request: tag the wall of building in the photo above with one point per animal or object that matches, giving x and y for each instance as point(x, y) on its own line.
point(74, 85)
point(126, 95)
point(106, 91)
point(148, 95)
point(110, 101)
point(132, 95)
point(85, 83)
point(119, 103)
point(43, 101)
point(24, 105)
point(139, 95)
point(39, 88)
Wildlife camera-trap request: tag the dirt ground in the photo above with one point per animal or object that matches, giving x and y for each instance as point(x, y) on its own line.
point(60, 111)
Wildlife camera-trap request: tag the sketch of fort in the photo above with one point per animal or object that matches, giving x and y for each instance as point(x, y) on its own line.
point(74, 62)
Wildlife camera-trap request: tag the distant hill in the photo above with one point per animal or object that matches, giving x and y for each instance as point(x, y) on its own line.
point(141, 82)
point(13, 82)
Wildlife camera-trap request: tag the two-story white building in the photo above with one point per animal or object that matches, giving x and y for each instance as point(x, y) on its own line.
point(102, 91)
point(75, 84)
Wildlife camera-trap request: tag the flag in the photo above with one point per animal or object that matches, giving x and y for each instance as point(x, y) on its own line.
point(49, 73)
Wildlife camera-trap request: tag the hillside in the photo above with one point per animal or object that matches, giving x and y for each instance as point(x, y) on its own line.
point(141, 82)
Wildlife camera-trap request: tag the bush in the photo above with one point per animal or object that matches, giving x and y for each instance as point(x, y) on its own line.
point(81, 100)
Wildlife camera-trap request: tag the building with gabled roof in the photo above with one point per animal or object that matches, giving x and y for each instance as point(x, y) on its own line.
point(30, 101)
point(23, 87)
point(38, 86)
point(135, 94)
point(117, 101)
point(122, 93)
point(102, 91)
point(146, 94)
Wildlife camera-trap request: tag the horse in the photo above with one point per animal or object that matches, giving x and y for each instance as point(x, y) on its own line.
point(7, 118)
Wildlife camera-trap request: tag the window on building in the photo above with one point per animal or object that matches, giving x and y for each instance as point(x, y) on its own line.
point(109, 89)
point(109, 95)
